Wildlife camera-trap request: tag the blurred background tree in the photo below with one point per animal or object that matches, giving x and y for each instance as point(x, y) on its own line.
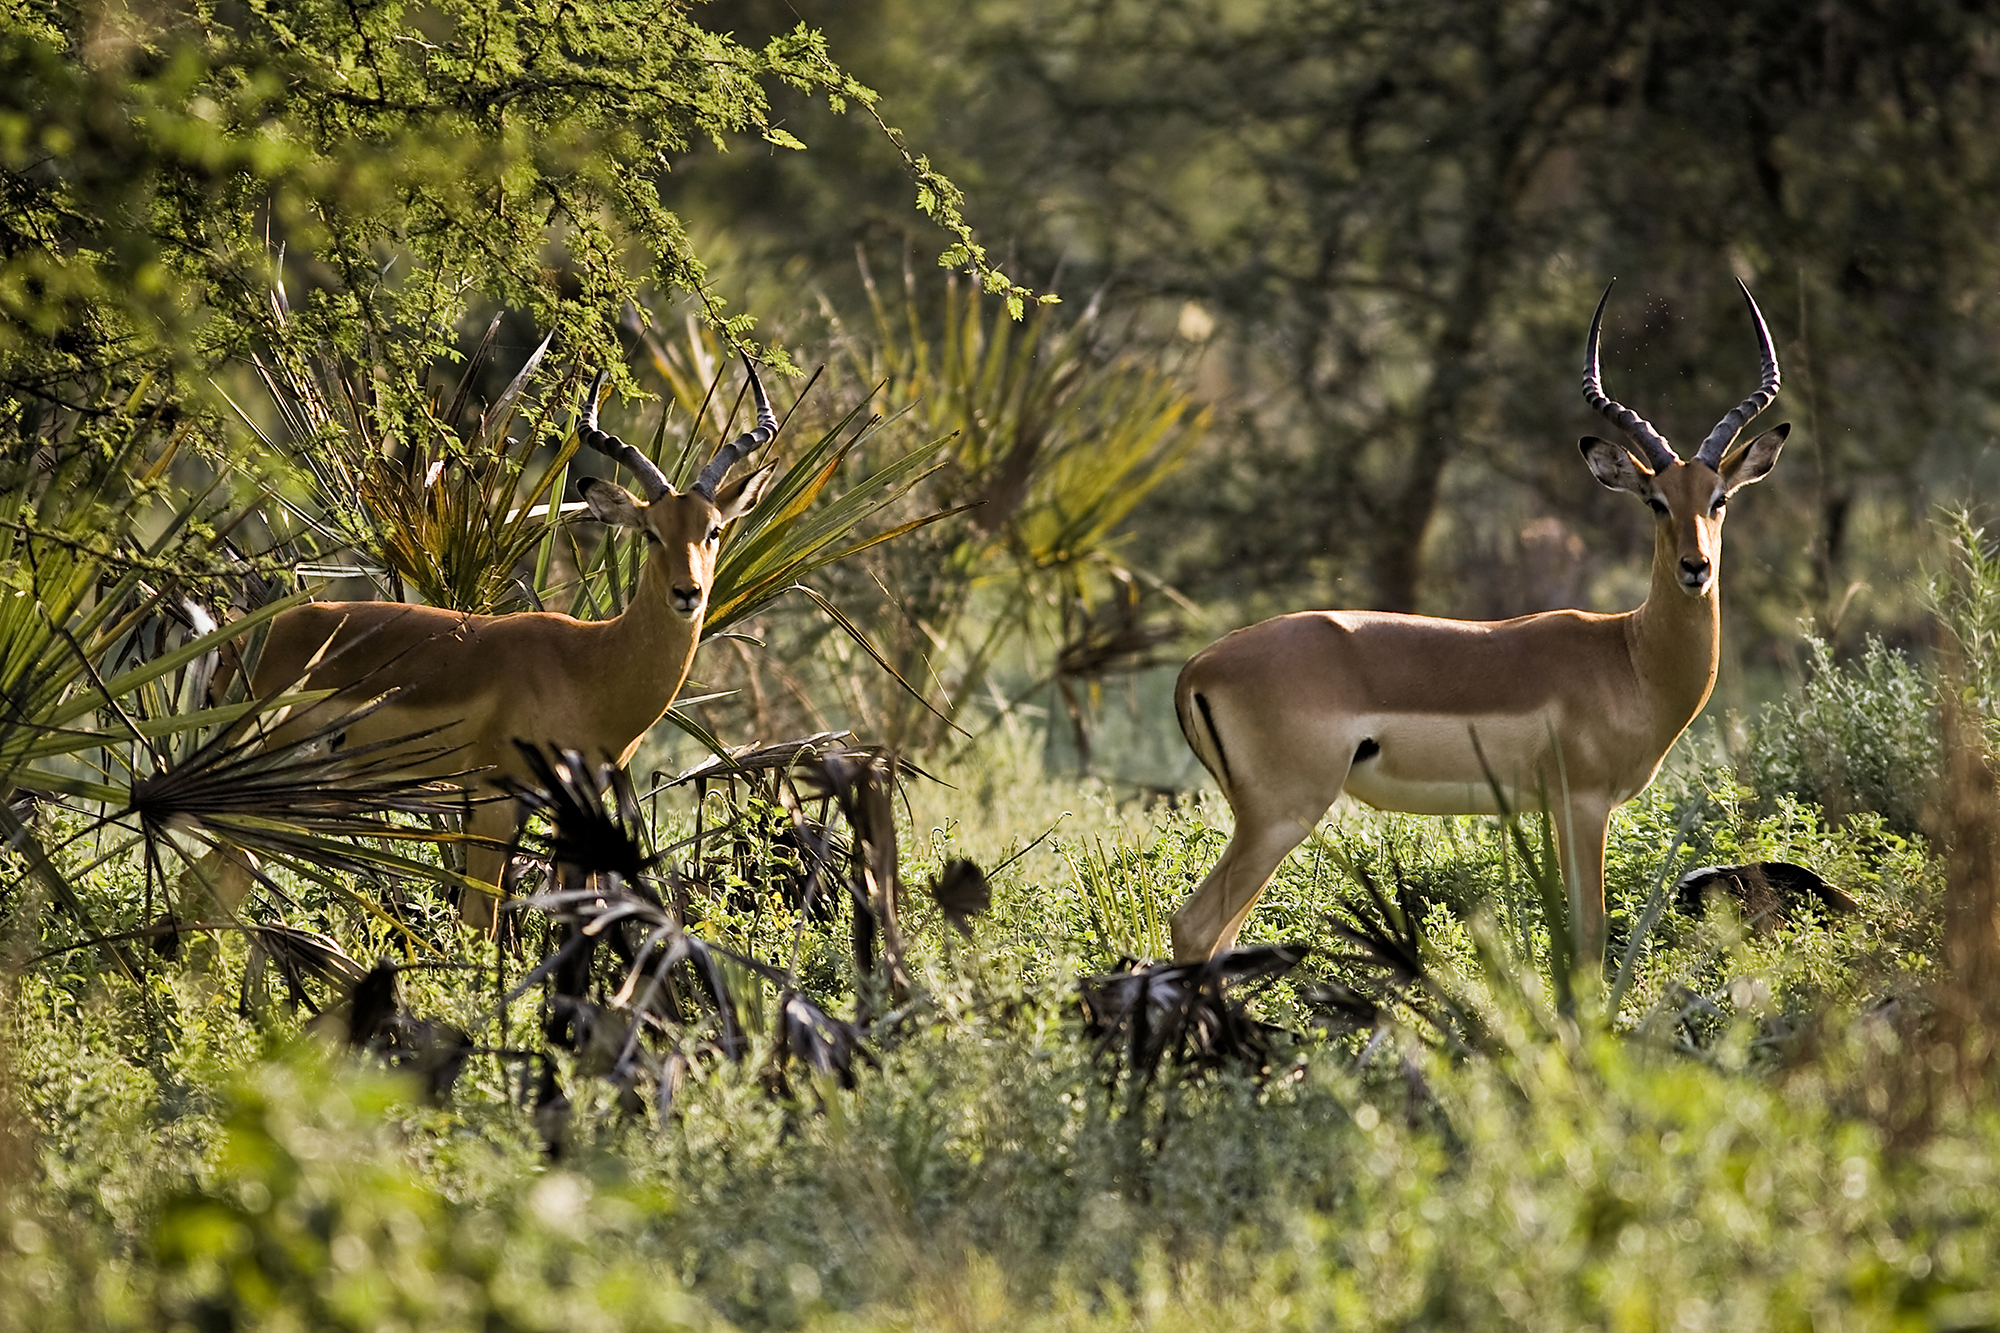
point(1385, 224)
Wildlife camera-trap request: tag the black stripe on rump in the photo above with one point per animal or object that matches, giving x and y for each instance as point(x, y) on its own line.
point(1215, 738)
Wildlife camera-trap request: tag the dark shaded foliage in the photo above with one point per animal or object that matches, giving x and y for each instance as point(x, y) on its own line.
point(1388, 958)
point(379, 1023)
point(1387, 935)
point(961, 893)
point(588, 838)
point(672, 996)
point(1183, 1016)
point(1341, 1007)
point(1768, 893)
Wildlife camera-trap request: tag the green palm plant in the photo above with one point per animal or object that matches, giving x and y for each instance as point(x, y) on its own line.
point(96, 544)
point(99, 552)
point(438, 500)
point(1054, 441)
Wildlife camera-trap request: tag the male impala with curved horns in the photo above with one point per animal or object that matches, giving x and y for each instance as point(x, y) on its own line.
point(1289, 713)
point(476, 683)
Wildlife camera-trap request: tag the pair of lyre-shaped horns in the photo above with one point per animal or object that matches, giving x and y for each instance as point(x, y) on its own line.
point(1657, 452)
point(651, 479)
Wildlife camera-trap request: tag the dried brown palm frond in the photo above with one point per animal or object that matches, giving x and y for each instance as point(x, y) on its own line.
point(862, 781)
point(760, 761)
point(653, 997)
point(1100, 637)
point(1387, 933)
point(297, 956)
point(961, 893)
point(1183, 1015)
point(828, 1046)
point(596, 854)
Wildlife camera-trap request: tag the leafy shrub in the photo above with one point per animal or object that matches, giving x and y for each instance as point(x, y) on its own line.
point(1858, 736)
point(309, 1209)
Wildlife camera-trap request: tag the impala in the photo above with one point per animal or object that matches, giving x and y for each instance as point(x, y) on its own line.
point(1569, 708)
point(474, 684)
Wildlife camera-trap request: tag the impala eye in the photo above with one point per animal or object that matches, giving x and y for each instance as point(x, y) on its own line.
point(652, 538)
point(714, 536)
point(1721, 503)
point(1657, 505)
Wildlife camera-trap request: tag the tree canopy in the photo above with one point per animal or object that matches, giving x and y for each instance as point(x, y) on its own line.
point(380, 166)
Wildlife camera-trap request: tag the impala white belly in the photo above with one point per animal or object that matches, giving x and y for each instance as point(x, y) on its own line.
point(1428, 765)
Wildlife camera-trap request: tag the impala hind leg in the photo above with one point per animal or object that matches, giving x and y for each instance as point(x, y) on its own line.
point(209, 890)
point(1209, 920)
point(222, 879)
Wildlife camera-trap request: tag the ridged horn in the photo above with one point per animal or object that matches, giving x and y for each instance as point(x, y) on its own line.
point(1658, 453)
point(1726, 430)
point(732, 453)
point(651, 479)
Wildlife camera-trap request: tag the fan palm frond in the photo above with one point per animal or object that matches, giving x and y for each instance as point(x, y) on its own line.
point(1184, 1015)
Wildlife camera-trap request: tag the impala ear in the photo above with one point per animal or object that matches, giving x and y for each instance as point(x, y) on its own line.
point(1615, 467)
point(1754, 460)
point(740, 497)
point(610, 503)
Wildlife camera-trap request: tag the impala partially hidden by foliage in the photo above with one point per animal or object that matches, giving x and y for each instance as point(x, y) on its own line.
point(467, 687)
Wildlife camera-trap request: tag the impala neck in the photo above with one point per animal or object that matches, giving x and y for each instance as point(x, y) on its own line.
point(643, 655)
point(1677, 639)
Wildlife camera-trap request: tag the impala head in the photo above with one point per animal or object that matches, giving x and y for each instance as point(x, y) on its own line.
point(683, 529)
point(1688, 499)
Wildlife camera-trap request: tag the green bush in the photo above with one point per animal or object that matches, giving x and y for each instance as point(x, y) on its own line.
point(1859, 736)
point(306, 1203)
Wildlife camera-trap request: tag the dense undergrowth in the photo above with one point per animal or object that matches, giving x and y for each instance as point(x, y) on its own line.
point(1752, 1140)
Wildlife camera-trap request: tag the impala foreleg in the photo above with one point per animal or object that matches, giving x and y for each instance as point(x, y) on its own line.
point(496, 823)
point(221, 879)
point(1580, 835)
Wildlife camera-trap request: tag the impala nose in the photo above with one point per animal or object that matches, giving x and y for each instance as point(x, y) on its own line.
point(1694, 573)
point(687, 600)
